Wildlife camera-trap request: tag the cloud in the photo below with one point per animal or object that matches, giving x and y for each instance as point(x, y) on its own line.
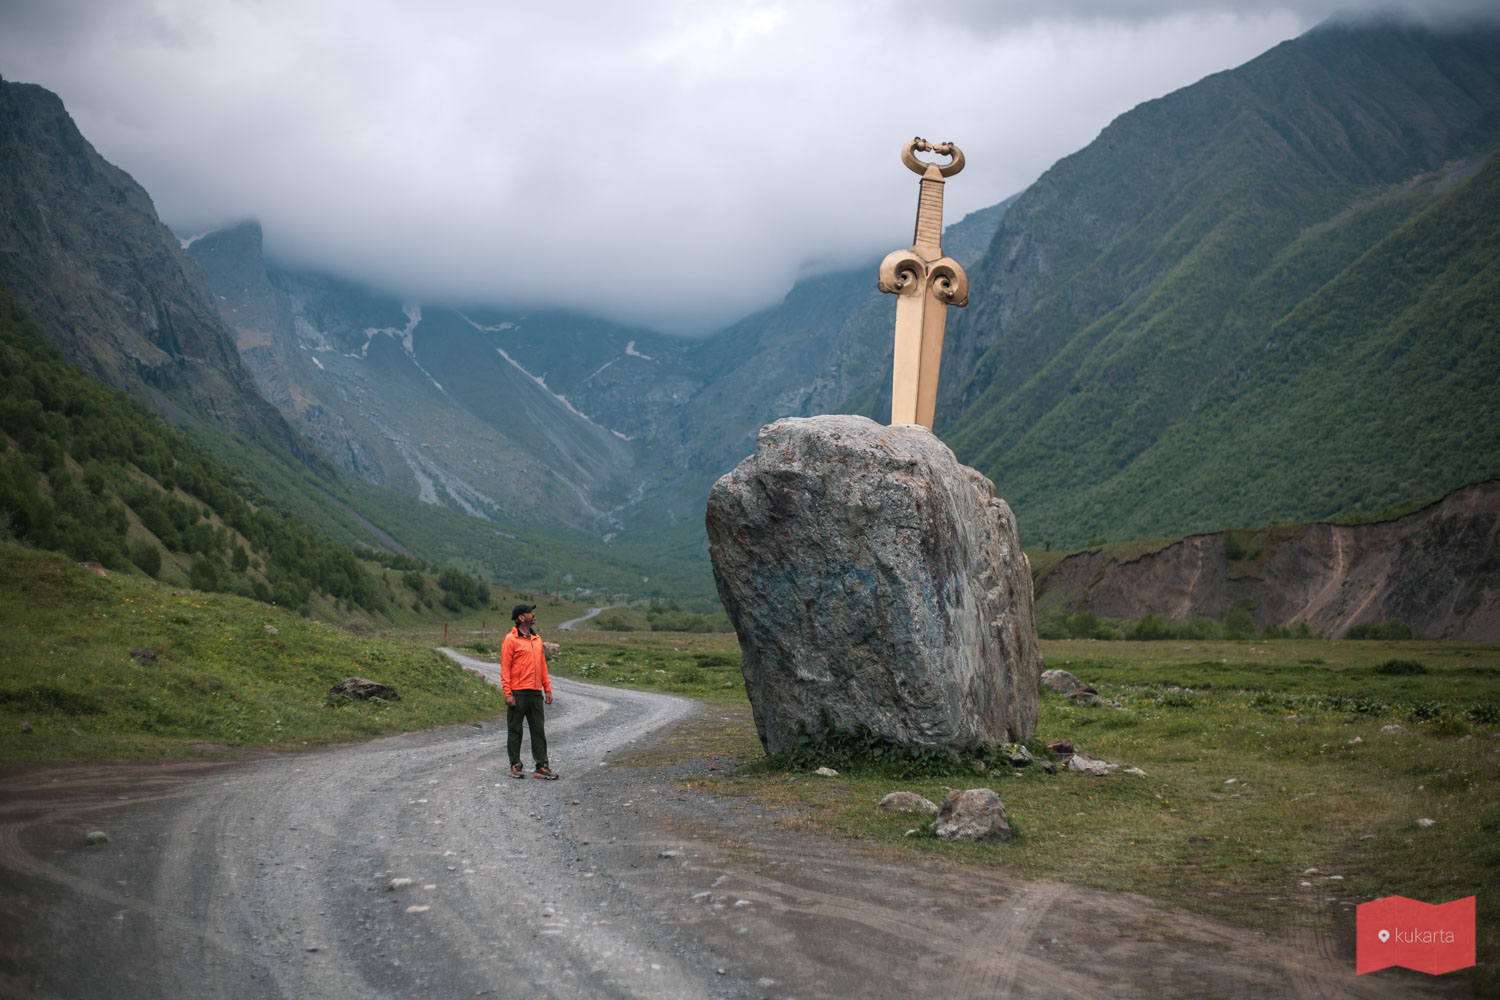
point(672, 163)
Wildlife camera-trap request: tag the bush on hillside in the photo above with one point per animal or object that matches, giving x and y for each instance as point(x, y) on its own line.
point(1393, 629)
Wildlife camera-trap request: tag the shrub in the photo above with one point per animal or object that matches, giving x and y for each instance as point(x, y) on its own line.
point(204, 575)
point(615, 620)
point(1424, 711)
point(1483, 713)
point(1150, 628)
point(1391, 629)
point(146, 556)
point(1239, 623)
point(1398, 668)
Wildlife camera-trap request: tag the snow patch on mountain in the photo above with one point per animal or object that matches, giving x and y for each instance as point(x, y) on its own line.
point(497, 328)
point(542, 383)
point(596, 371)
point(630, 350)
point(413, 313)
point(431, 477)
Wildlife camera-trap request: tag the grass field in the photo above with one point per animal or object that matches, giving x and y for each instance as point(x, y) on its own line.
point(1270, 795)
point(121, 666)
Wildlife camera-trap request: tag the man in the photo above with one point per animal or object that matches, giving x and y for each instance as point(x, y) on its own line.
point(523, 678)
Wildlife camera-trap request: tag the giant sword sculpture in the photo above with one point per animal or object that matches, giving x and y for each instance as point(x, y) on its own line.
point(925, 283)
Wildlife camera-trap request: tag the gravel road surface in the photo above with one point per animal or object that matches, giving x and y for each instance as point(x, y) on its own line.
point(414, 867)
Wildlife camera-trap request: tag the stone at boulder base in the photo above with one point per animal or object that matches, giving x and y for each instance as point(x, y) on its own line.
point(972, 815)
point(358, 687)
point(871, 577)
point(1065, 683)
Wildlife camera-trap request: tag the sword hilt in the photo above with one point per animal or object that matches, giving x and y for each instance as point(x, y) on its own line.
point(928, 236)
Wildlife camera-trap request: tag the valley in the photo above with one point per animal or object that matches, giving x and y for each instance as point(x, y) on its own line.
point(1232, 362)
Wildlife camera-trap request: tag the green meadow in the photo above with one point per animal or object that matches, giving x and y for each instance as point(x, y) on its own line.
point(120, 666)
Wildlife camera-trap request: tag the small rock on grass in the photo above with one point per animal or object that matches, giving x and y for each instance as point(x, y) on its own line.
point(907, 802)
point(1394, 730)
point(827, 772)
point(973, 815)
point(1088, 765)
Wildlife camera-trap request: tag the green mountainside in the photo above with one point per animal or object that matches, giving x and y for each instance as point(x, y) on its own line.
point(1271, 295)
point(87, 471)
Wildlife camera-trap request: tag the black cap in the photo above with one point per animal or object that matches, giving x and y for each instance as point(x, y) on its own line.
point(521, 609)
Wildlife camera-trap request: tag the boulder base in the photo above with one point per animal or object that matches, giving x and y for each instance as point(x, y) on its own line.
point(874, 581)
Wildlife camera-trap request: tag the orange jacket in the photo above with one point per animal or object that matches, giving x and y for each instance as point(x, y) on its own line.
point(523, 664)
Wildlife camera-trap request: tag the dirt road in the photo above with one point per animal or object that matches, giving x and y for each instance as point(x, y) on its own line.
point(271, 877)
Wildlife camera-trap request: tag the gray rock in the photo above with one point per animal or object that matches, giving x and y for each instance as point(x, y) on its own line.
point(1016, 755)
point(1064, 683)
point(1394, 730)
point(870, 575)
point(907, 802)
point(1088, 765)
point(1070, 686)
point(974, 814)
point(358, 687)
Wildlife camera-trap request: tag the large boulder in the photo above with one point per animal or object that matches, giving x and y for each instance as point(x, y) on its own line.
point(871, 576)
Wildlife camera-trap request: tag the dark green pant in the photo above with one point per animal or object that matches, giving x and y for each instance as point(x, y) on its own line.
point(528, 709)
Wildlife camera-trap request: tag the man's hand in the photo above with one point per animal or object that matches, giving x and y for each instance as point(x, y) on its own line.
point(549, 697)
point(510, 700)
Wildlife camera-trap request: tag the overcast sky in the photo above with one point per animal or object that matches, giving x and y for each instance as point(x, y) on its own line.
point(676, 164)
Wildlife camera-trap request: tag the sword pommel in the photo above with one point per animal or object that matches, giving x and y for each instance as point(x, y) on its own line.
point(916, 166)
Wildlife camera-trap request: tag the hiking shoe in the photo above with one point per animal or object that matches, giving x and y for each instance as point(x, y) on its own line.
point(544, 773)
point(517, 771)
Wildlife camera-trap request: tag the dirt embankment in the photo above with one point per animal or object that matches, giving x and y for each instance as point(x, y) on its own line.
point(1437, 569)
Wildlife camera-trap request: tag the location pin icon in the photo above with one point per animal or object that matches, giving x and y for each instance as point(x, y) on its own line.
point(1384, 936)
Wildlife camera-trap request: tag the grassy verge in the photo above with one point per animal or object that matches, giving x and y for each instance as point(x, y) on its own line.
point(1270, 797)
point(697, 665)
point(209, 671)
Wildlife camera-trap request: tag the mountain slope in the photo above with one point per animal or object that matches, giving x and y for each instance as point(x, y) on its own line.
point(1168, 321)
point(81, 248)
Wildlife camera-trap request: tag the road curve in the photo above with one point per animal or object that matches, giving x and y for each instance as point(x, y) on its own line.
point(572, 623)
point(272, 879)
